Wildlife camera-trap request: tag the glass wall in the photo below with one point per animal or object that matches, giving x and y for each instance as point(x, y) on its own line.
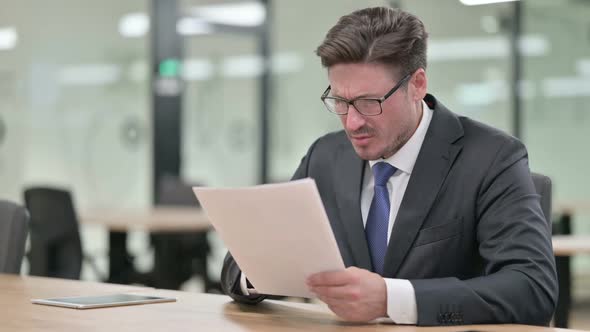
point(556, 115)
point(74, 104)
point(220, 130)
point(221, 106)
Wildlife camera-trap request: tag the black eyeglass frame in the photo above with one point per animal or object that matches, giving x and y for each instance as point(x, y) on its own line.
point(351, 102)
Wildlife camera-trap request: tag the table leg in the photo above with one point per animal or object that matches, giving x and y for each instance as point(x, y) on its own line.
point(562, 310)
point(179, 256)
point(564, 277)
point(169, 265)
point(120, 262)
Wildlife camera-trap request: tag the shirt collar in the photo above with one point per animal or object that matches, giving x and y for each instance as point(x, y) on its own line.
point(405, 158)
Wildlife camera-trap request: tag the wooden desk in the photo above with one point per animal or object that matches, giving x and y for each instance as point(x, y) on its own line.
point(192, 311)
point(571, 207)
point(156, 219)
point(564, 246)
point(570, 245)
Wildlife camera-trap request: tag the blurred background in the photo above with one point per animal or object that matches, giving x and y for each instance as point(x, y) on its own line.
point(115, 101)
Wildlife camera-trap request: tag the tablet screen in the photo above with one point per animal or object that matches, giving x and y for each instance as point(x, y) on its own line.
point(85, 302)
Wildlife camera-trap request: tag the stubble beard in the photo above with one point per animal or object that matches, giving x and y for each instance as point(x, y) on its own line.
point(399, 141)
point(392, 148)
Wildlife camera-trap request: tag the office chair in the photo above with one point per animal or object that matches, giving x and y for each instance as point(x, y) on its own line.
point(543, 186)
point(179, 255)
point(562, 263)
point(56, 248)
point(14, 220)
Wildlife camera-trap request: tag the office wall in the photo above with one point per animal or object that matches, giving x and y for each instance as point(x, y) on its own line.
point(220, 130)
point(74, 108)
point(74, 103)
point(557, 118)
point(556, 113)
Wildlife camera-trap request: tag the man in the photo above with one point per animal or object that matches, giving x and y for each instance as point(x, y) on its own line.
point(435, 215)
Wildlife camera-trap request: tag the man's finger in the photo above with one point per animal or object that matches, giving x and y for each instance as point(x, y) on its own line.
point(337, 292)
point(331, 278)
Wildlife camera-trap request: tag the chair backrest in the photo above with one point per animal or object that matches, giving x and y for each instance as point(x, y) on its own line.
point(14, 228)
point(187, 250)
point(174, 191)
point(543, 186)
point(56, 249)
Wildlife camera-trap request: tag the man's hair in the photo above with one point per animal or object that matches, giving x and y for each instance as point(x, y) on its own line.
point(376, 35)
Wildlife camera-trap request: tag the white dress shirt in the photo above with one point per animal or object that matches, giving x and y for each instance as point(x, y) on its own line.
point(401, 298)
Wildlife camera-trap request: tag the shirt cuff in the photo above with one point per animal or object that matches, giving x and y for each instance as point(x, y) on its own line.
point(243, 284)
point(401, 301)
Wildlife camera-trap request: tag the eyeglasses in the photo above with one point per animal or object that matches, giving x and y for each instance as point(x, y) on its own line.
point(365, 106)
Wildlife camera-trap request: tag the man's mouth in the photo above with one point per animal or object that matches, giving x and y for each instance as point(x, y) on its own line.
point(360, 139)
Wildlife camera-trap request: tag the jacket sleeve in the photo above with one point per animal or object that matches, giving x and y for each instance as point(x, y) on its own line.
point(519, 282)
point(230, 282)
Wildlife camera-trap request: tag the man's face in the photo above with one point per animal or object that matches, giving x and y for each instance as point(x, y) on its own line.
point(374, 137)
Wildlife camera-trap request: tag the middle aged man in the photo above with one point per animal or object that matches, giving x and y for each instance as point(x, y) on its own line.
point(435, 215)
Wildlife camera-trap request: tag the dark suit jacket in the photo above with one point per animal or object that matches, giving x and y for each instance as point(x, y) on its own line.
point(469, 235)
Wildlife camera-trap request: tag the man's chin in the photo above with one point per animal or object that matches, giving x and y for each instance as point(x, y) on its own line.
point(366, 154)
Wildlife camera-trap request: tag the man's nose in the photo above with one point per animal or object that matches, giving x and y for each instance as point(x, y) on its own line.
point(354, 119)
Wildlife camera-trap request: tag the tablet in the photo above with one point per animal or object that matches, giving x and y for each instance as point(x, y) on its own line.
point(113, 300)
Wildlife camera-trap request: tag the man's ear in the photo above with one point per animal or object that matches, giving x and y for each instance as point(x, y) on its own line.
point(419, 85)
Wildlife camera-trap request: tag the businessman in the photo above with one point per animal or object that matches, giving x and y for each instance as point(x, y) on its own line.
point(435, 215)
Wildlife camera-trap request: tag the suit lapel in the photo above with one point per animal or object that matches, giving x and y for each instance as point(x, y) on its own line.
point(348, 177)
point(432, 166)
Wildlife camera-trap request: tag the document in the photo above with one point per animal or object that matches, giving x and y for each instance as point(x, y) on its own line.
point(279, 234)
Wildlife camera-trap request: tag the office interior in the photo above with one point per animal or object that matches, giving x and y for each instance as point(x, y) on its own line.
point(108, 99)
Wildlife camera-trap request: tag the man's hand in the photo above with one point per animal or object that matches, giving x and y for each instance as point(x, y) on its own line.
point(353, 294)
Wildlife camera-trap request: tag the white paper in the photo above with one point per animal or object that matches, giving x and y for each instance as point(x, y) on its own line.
point(279, 234)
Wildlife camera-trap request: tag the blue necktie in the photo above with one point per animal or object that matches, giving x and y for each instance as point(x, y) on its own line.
point(378, 218)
